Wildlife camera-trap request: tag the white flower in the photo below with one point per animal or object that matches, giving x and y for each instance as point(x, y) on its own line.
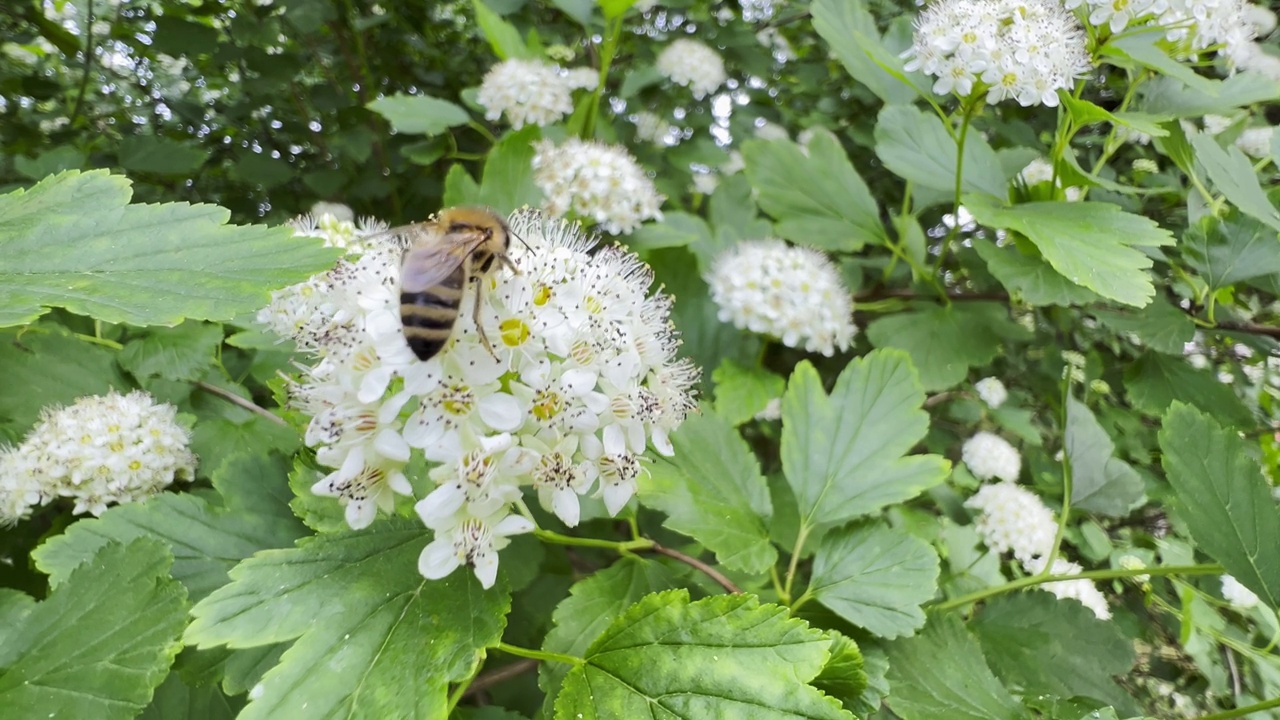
point(1238, 595)
point(1041, 171)
point(1263, 20)
point(1025, 50)
point(1083, 591)
point(991, 391)
point(791, 293)
point(1200, 25)
point(654, 129)
point(1256, 142)
point(988, 455)
point(1215, 124)
point(99, 451)
point(772, 410)
point(691, 64)
point(338, 211)
point(581, 380)
point(705, 183)
point(598, 182)
point(1013, 519)
point(529, 92)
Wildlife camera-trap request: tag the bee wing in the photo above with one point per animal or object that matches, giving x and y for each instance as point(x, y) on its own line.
point(434, 257)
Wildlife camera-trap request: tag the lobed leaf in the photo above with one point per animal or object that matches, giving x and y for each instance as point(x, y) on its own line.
point(944, 341)
point(420, 114)
point(1031, 278)
point(138, 264)
point(1099, 482)
point(1229, 250)
point(1233, 174)
point(916, 147)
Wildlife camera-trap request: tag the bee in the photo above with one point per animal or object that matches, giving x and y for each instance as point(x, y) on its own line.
point(457, 247)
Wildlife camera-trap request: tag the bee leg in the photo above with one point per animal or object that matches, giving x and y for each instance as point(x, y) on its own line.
point(506, 261)
point(475, 317)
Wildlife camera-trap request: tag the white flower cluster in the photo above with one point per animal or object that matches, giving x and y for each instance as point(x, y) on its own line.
point(582, 377)
point(791, 293)
point(1084, 591)
point(530, 92)
point(1013, 519)
point(991, 391)
point(336, 225)
point(101, 450)
point(1256, 142)
point(1026, 50)
point(1238, 595)
point(1199, 24)
point(598, 182)
point(988, 455)
point(691, 64)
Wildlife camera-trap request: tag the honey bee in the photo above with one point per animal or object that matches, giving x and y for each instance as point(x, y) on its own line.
point(458, 246)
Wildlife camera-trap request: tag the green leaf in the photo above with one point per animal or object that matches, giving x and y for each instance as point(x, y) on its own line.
point(593, 603)
point(101, 643)
point(1099, 482)
point(722, 656)
point(502, 35)
point(818, 200)
point(851, 32)
point(206, 541)
point(389, 647)
point(1030, 278)
point(160, 155)
point(916, 147)
point(1233, 174)
point(138, 264)
point(944, 341)
point(184, 352)
point(615, 8)
point(507, 183)
point(1084, 112)
point(743, 391)
point(419, 114)
point(1224, 500)
point(43, 369)
point(843, 454)
point(875, 577)
point(15, 605)
point(1228, 250)
point(1142, 48)
point(677, 229)
point(1090, 243)
point(1154, 381)
point(261, 169)
point(580, 10)
point(940, 674)
point(1166, 96)
point(1160, 325)
point(459, 188)
point(1048, 647)
point(843, 677)
point(712, 491)
point(56, 160)
point(175, 700)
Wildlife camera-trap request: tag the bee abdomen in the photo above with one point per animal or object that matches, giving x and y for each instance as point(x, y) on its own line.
point(428, 319)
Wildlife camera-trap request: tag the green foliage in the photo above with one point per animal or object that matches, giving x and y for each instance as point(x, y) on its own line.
point(101, 643)
point(917, 147)
point(1099, 482)
point(944, 341)
point(391, 625)
point(114, 261)
point(727, 655)
point(941, 673)
point(842, 465)
point(419, 114)
point(712, 491)
point(742, 392)
point(1223, 498)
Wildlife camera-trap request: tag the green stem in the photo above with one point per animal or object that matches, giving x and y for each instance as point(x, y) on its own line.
point(966, 116)
point(456, 696)
point(88, 65)
point(483, 131)
point(625, 546)
point(539, 655)
point(99, 341)
point(1042, 579)
point(1066, 484)
point(610, 47)
point(1242, 711)
point(801, 537)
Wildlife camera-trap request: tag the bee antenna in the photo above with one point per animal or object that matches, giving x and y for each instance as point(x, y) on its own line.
point(522, 242)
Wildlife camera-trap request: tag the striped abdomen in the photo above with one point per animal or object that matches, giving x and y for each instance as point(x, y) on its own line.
point(428, 317)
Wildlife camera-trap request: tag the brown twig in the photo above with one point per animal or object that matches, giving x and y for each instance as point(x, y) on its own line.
point(697, 564)
point(235, 399)
point(506, 672)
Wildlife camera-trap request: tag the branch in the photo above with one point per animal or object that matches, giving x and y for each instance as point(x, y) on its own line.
point(235, 399)
point(502, 674)
point(697, 564)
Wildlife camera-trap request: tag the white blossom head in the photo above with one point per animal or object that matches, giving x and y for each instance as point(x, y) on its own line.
point(530, 92)
point(1205, 25)
point(582, 379)
point(1256, 142)
point(1024, 50)
point(600, 183)
point(792, 293)
point(988, 456)
point(336, 225)
point(1240, 597)
point(991, 391)
point(1012, 519)
point(1041, 171)
point(99, 451)
point(691, 64)
point(654, 129)
point(1083, 591)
